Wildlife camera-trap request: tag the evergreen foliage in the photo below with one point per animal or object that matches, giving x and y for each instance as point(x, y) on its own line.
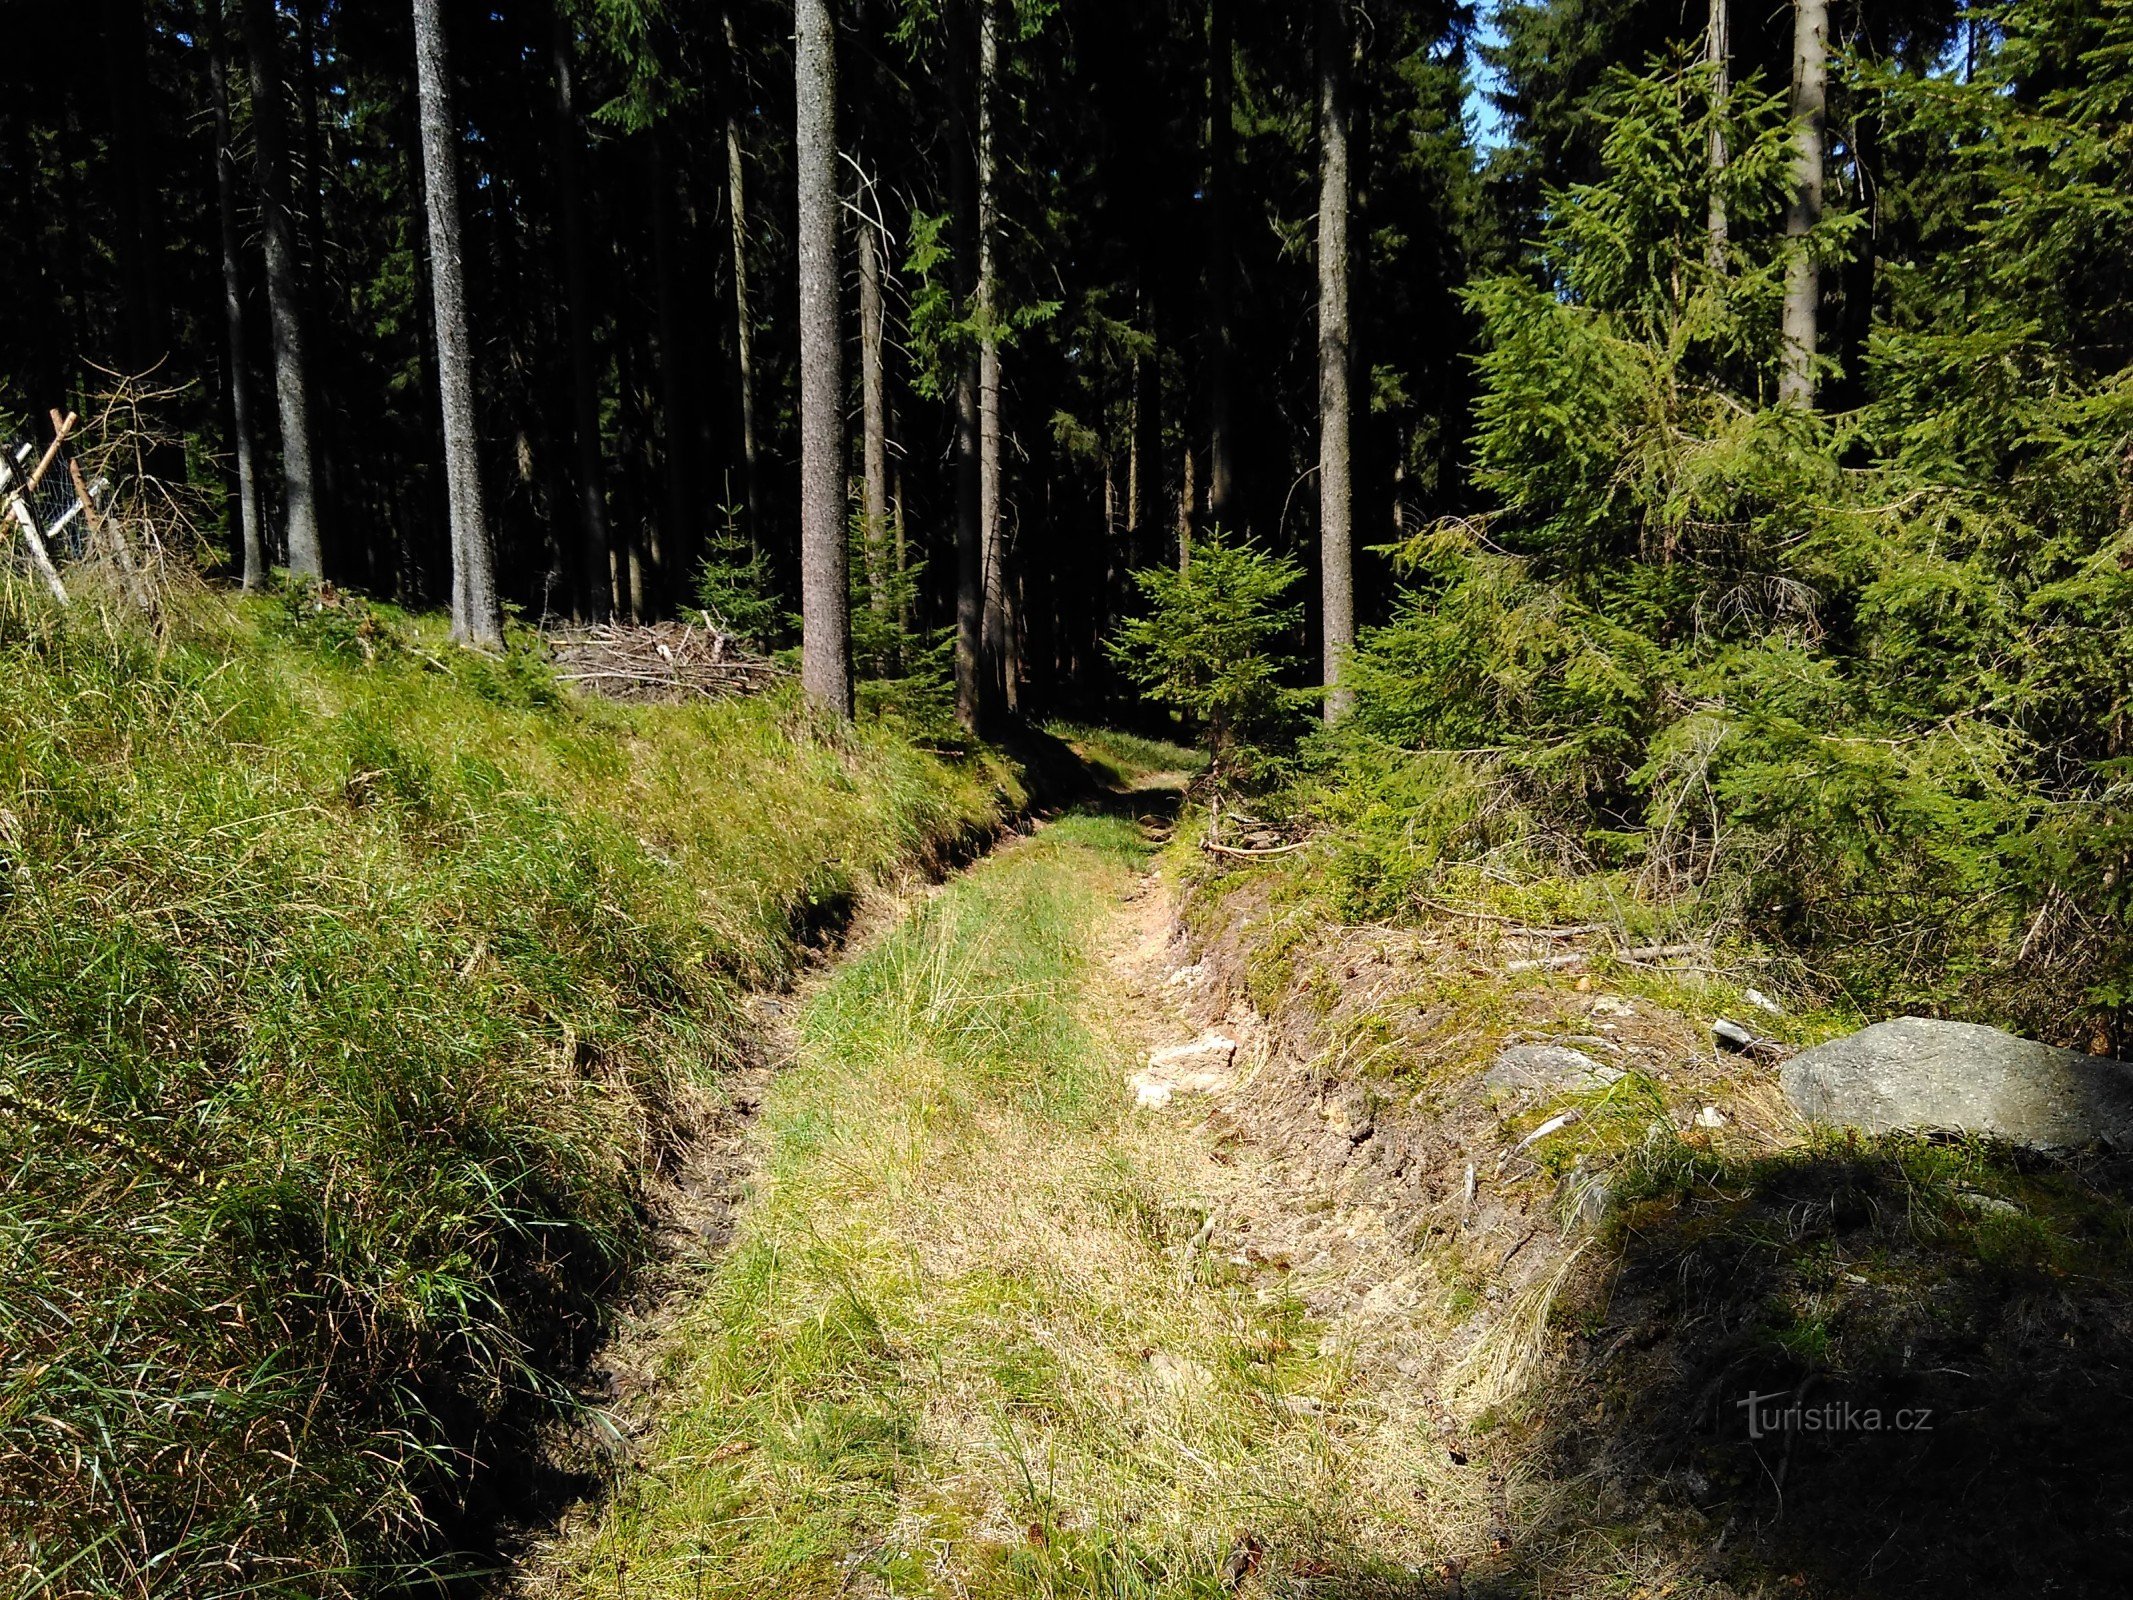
point(1209, 647)
point(1855, 681)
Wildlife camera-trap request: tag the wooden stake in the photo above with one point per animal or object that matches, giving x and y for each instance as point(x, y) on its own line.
point(20, 499)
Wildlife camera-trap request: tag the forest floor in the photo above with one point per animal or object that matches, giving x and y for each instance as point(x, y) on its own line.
point(979, 1295)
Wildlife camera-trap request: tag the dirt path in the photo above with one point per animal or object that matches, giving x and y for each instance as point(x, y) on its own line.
point(1007, 1309)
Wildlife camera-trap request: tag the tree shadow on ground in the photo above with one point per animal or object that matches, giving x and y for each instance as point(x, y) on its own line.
point(1879, 1368)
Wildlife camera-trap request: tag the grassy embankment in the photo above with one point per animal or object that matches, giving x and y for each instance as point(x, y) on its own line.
point(1601, 1303)
point(349, 989)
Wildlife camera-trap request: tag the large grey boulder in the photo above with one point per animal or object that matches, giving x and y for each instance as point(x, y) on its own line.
point(1958, 1077)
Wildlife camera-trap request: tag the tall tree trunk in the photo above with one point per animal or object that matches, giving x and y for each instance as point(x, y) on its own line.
point(248, 512)
point(1188, 507)
point(1221, 268)
point(477, 616)
point(292, 372)
point(419, 549)
point(632, 421)
point(904, 596)
point(994, 649)
point(874, 409)
point(1335, 497)
point(1136, 505)
point(971, 701)
point(1718, 51)
point(676, 534)
point(1144, 449)
point(315, 161)
point(1803, 283)
point(133, 183)
point(569, 137)
point(743, 315)
point(825, 590)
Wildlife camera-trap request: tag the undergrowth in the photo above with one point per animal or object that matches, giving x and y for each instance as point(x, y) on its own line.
point(350, 987)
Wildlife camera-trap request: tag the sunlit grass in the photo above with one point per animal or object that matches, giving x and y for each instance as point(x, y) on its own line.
point(349, 990)
point(1125, 759)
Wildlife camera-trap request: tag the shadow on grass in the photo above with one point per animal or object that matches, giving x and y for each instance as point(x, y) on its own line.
point(1883, 1368)
point(1888, 1368)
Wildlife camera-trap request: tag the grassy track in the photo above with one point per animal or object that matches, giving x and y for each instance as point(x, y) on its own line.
point(964, 1344)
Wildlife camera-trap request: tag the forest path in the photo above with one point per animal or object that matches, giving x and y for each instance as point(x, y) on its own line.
point(990, 1321)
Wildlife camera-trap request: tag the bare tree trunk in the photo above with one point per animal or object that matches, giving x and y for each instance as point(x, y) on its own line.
point(993, 638)
point(825, 594)
point(874, 409)
point(1221, 269)
point(904, 619)
point(477, 617)
point(744, 317)
point(1136, 503)
point(248, 512)
point(596, 576)
point(292, 374)
point(675, 534)
point(133, 179)
point(1188, 507)
point(1335, 508)
point(1718, 50)
point(1803, 284)
point(633, 419)
point(970, 700)
point(1145, 448)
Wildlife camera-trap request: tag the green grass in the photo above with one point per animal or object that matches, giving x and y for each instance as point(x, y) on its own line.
point(1125, 759)
point(350, 989)
point(960, 1345)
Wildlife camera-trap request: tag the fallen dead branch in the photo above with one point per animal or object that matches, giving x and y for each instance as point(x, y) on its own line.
point(1576, 958)
point(1214, 848)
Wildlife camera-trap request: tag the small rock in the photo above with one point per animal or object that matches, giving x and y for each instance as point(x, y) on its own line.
point(1544, 1070)
point(1710, 1117)
point(1586, 1195)
point(1762, 1002)
point(1609, 1005)
point(1200, 1067)
point(1926, 1075)
point(1732, 1036)
point(1176, 1372)
point(1347, 1113)
point(1986, 1205)
point(1150, 1092)
point(1211, 1052)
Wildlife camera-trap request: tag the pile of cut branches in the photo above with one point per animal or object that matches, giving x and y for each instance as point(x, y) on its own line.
point(684, 660)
